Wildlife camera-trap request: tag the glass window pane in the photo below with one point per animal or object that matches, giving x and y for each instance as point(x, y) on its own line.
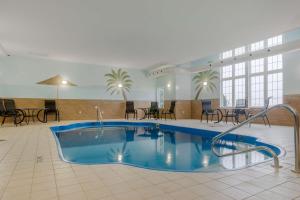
point(227, 93)
point(275, 88)
point(257, 90)
point(257, 66)
point(274, 41)
point(240, 51)
point(275, 62)
point(227, 71)
point(227, 54)
point(257, 46)
point(240, 89)
point(239, 69)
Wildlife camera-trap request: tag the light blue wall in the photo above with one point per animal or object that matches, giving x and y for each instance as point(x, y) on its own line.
point(18, 77)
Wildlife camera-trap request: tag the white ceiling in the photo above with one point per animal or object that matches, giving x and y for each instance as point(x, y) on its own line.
point(139, 33)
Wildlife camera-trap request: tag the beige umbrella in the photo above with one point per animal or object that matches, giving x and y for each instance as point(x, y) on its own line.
point(57, 81)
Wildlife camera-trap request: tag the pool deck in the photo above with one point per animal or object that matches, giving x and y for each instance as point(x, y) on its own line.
point(30, 168)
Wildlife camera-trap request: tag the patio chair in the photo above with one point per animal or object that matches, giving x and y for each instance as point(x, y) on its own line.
point(171, 111)
point(265, 116)
point(239, 110)
point(153, 111)
point(50, 108)
point(207, 110)
point(130, 110)
point(8, 109)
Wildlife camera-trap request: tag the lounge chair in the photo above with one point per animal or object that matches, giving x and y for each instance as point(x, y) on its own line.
point(207, 110)
point(153, 111)
point(50, 108)
point(130, 110)
point(265, 116)
point(8, 109)
point(239, 110)
point(171, 111)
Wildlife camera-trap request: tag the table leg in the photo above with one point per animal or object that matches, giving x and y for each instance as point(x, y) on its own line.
point(220, 115)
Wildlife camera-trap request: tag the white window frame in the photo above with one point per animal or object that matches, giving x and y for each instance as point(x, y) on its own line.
point(240, 51)
point(247, 77)
point(227, 54)
point(257, 46)
point(275, 41)
point(233, 78)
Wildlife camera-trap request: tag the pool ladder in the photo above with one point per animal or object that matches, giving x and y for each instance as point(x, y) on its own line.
point(264, 148)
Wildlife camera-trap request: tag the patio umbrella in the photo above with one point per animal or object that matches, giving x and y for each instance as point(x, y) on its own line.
point(57, 81)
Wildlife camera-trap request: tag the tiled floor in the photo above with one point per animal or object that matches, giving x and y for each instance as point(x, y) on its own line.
point(30, 168)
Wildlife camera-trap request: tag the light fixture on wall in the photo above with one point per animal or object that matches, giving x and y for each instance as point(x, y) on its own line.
point(169, 85)
point(120, 157)
point(205, 83)
point(120, 85)
point(64, 82)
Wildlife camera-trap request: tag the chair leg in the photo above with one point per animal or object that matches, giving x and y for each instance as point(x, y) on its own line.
point(264, 120)
point(226, 119)
point(268, 121)
point(58, 116)
point(207, 118)
point(201, 117)
point(174, 116)
point(3, 121)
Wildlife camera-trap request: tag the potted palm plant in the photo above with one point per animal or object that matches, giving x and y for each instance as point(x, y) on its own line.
point(205, 81)
point(118, 82)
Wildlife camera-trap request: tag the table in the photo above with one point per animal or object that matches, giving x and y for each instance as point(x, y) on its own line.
point(220, 110)
point(32, 113)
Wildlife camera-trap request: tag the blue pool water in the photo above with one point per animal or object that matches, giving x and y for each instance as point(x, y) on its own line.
point(145, 145)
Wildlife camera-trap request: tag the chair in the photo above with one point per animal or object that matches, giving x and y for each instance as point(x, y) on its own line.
point(153, 111)
point(207, 110)
point(239, 110)
point(171, 111)
point(265, 116)
point(8, 109)
point(130, 110)
point(50, 108)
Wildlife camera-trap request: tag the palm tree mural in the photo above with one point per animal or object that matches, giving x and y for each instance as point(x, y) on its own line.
point(205, 81)
point(118, 81)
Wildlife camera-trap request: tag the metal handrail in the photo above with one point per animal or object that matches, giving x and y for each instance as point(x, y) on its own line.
point(99, 115)
point(258, 148)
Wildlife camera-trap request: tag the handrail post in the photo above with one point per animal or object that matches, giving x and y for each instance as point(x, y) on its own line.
point(297, 143)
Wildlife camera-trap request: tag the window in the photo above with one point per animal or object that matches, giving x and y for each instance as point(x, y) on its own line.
point(275, 62)
point(227, 71)
point(257, 46)
point(233, 84)
point(274, 41)
point(160, 97)
point(240, 69)
point(257, 66)
point(255, 80)
point(239, 51)
point(227, 54)
point(227, 93)
point(257, 90)
point(240, 88)
point(275, 88)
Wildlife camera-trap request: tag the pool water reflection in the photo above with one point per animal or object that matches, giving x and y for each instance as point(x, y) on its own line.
point(151, 147)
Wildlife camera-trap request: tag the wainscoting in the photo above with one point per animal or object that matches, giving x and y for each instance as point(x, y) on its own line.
point(277, 117)
point(75, 109)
